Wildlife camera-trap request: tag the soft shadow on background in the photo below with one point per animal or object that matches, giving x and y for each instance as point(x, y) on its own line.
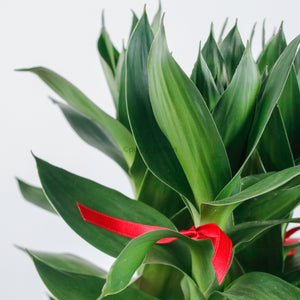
point(62, 35)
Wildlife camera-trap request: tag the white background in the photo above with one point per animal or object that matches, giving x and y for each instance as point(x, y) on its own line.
point(62, 35)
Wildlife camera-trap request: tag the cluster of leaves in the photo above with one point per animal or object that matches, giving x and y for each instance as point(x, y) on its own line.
point(219, 146)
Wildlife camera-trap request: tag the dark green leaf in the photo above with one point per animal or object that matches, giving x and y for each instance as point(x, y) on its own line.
point(272, 51)
point(184, 118)
point(274, 146)
point(133, 22)
point(292, 268)
point(262, 286)
point(64, 190)
point(234, 111)
point(76, 99)
point(254, 165)
point(190, 290)
point(204, 81)
point(93, 134)
point(152, 144)
point(35, 195)
point(232, 48)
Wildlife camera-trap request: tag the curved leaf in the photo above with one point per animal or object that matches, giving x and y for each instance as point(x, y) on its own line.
point(93, 134)
point(263, 286)
point(76, 99)
point(64, 190)
point(234, 111)
point(184, 118)
point(152, 143)
point(156, 20)
point(35, 195)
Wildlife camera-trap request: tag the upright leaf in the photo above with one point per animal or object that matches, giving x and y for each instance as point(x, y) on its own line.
point(76, 99)
point(154, 147)
point(234, 111)
point(274, 146)
point(93, 134)
point(204, 81)
point(156, 20)
point(272, 51)
point(232, 48)
point(215, 61)
point(184, 118)
point(64, 190)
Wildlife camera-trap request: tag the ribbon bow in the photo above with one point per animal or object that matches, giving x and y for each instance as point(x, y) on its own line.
point(288, 240)
point(221, 242)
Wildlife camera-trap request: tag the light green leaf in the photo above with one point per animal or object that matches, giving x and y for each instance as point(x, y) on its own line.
point(76, 99)
point(262, 286)
point(232, 48)
point(152, 143)
point(184, 118)
point(133, 255)
point(93, 134)
point(222, 31)
point(234, 111)
point(157, 18)
point(274, 149)
point(35, 195)
point(64, 190)
point(219, 211)
point(204, 81)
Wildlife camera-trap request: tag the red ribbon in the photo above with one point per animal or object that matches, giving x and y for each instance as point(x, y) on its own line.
point(221, 242)
point(288, 240)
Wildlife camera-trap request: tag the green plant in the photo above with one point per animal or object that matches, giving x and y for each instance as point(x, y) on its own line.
point(219, 147)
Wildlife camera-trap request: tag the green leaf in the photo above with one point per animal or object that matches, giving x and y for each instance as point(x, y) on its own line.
point(292, 268)
point(219, 211)
point(254, 165)
point(232, 48)
point(133, 255)
point(35, 195)
point(152, 143)
point(262, 286)
point(69, 277)
point(222, 31)
point(184, 118)
point(289, 105)
point(270, 96)
point(134, 21)
point(234, 111)
point(272, 51)
point(64, 190)
point(190, 290)
point(93, 134)
point(252, 34)
point(157, 18)
point(215, 61)
point(76, 99)
point(161, 281)
point(109, 58)
point(158, 195)
point(275, 149)
point(204, 81)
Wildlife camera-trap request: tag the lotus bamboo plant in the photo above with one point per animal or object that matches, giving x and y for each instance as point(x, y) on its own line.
point(214, 161)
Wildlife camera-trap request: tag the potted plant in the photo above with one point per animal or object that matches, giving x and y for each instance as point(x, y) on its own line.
point(214, 163)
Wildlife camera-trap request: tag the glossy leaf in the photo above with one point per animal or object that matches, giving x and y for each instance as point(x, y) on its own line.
point(176, 103)
point(108, 58)
point(204, 81)
point(76, 99)
point(270, 96)
point(232, 49)
point(272, 51)
point(263, 286)
point(292, 268)
point(190, 290)
point(93, 134)
point(154, 147)
point(35, 195)
point(215, 61)
point(69, 277)
point(289, 105)
point(254, 165)
point(133, 255)
point(219, 211)
point(64, 190)
point(274, 146)
point(234, 111)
